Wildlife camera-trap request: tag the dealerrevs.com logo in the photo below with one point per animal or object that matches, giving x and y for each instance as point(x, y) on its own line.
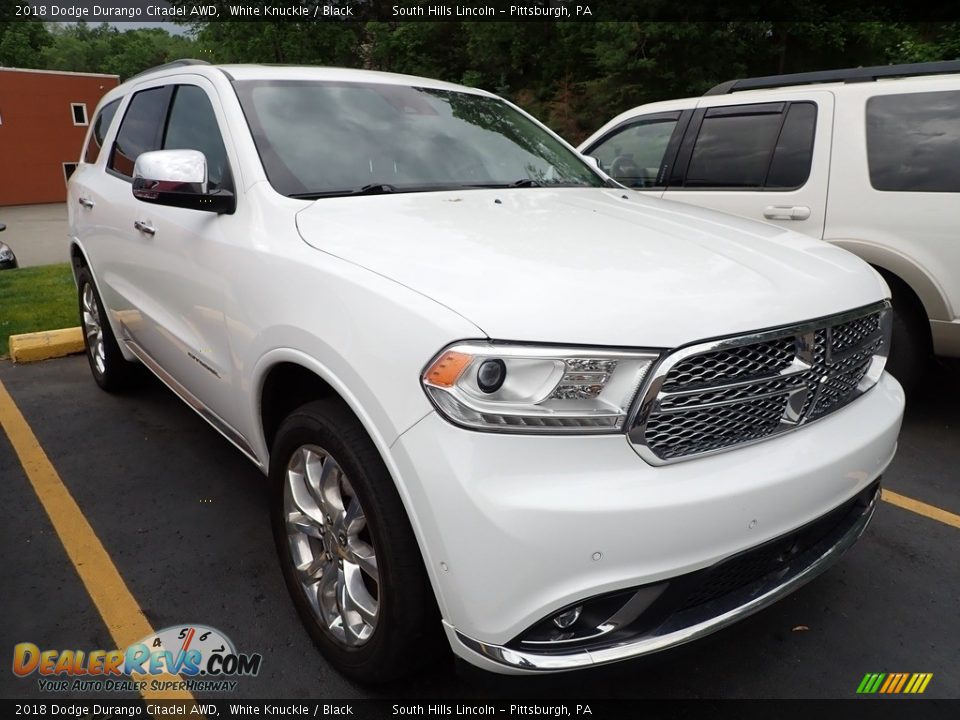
point(203, 657)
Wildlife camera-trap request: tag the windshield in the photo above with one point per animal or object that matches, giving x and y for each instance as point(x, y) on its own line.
point(320, 139)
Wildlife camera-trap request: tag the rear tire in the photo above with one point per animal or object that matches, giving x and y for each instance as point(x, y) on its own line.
point(347, 551)
point(110, 369)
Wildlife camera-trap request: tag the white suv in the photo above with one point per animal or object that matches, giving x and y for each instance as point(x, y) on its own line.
point(866, 158)
point(497, 396)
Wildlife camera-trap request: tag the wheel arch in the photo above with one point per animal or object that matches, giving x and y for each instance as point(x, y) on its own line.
point(274, 373)
point(905, 270)
point(79, 259)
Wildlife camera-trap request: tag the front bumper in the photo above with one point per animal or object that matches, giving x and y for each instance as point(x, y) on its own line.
point(516, 528)
point(700, 620)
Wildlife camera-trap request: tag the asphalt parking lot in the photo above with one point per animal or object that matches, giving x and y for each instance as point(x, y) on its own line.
point(184, 518)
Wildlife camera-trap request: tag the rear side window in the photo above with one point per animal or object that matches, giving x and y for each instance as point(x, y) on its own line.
point(634, 155)
point(790, 166)
point(100, 126)
point(913, 142)
point(141, 129)
point(193, 126)
point(767, 146)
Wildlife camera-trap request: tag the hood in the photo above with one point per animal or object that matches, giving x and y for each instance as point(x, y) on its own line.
point(591, 266)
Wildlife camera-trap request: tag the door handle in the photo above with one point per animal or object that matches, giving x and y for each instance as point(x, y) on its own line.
point(790, 212)
point(145, 227)
point(86, 202)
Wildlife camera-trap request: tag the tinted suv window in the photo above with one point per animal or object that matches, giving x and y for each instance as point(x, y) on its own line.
point(193, 126)
point(141, 128)
point(790, 166)
point(100, 126)
point(634, 155)
point(913, 142)
point(753, 146)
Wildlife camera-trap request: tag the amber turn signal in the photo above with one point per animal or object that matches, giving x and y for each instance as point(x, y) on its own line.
point(447, 368)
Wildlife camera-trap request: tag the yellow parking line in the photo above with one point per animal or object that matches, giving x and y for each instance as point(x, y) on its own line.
point(921, 508)
point(118, 608)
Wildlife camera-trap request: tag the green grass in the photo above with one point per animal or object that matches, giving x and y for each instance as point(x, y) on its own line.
point(36, 298)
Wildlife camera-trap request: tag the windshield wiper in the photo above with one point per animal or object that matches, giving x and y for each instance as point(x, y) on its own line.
point(521, 183)
point(371, 189)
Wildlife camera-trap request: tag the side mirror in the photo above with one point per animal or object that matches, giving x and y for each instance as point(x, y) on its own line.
point(595, 164)
point(178, 178)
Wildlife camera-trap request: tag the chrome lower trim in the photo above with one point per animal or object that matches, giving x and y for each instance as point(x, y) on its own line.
point(739, 606)
point(197, 405)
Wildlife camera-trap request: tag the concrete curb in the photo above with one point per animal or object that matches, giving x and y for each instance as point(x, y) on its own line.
point(31, 347)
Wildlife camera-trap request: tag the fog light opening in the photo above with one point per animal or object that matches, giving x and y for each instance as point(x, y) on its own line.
point(567, 618)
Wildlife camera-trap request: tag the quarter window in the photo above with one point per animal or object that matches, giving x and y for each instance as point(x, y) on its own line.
point(141, 128)
point(790, 166)
point(100, 126)
point(913, 142)
point(634, 155)
point(766, 146)
point(193, 126)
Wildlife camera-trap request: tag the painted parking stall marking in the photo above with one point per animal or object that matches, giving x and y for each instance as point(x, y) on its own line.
point(921, 508)
point(119, 609)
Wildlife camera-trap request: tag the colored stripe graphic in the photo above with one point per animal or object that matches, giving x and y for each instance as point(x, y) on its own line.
point(903, 680)
point(891, 680)
point(894, 683)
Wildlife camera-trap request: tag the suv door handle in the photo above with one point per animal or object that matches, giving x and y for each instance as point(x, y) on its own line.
point(86, 202)
point(780, 212)
point(145, 227)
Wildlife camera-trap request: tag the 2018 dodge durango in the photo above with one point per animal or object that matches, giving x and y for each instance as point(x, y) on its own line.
point(497, 396)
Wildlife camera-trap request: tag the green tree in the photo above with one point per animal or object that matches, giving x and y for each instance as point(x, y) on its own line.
point(82, 48)
point(21, 43)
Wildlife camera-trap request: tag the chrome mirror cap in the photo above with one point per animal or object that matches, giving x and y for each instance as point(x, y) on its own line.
point(178, 178)
point(169, 171)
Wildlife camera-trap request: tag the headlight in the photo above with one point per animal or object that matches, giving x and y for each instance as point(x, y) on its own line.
point(535, 389)
point(5, 253)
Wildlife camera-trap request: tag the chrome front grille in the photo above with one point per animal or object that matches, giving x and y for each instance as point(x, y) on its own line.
point(715, 396)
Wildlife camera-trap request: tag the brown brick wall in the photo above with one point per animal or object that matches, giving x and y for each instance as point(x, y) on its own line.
point(37, 134)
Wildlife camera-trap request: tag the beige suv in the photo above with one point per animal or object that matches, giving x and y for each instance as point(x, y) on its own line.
point(866, 158)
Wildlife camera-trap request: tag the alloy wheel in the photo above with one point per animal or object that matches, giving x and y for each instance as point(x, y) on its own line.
point(331, 546)
point(93, 329)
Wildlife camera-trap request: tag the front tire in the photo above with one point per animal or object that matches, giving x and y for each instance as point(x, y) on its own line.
point(346, 548)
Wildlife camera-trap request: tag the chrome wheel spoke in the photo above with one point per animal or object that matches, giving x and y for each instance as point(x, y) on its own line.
point(327, 597)
point(352, 520)
point(307, 515)
point(325, 479)
point(361, 554)
point(357, 607)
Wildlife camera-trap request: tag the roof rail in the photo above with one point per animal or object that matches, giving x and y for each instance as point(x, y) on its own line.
point(850, 75)
point(169, 65)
